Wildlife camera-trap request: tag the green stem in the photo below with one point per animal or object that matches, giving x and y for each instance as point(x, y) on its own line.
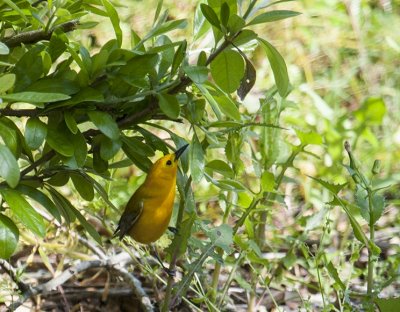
point(230, 278)
point(252, 296)
point(218, 265)
point(178, 238)
point(370, 281)
point(196, 265)
point(260, 236)
point(248, 11)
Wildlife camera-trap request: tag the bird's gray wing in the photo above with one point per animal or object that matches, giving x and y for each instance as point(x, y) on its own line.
point(128, 219)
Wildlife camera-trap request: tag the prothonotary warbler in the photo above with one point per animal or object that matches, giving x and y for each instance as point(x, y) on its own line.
point(148, 212)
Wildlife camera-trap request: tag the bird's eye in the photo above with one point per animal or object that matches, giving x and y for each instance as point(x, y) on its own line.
point(169, 163)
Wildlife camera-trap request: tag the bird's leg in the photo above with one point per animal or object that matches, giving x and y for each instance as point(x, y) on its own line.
point(174, 230)
point(167, 270)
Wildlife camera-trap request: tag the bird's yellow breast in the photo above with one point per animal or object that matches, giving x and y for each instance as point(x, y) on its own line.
point(157, 211)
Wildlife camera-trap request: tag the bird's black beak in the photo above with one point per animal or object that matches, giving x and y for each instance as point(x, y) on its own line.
point(180, 151)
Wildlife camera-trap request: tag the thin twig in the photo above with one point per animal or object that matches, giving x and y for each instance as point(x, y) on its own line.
point(11, 271)
point(19, 112)
point(46, 157)
point(93, 247)
point(185, 80)
point(114, 264)
point(36, 3)
point(38, 35)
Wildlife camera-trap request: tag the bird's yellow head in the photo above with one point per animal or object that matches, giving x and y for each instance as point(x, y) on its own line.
point(167, 166)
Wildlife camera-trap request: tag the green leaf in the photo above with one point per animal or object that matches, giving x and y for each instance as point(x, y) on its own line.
point(54, 85)
point(33, 60)
point(357, 229)
point(86, 59)
point(196, 110)
point(86, 94)
point(152, 140)
point(289, 260)
point(248, 80)
point(71, 122)
point(61, 140)
point(113, 15)
point(243, 283)
point(9, 168)
point(41, 198)
point(86, 225)
point(78, 158)
point(138, 159)
point(202, 59)
point(230, 185)
point(236, 24)
point(83, 186)
point(388, 304)
point(158, 11)
point(34, 97)
point(278, 66)
point(169, 105)
point(272, 16)
point(228, 106)
point(63, 205)
point(378, 202)
point(24, 211)
point(267, 181)
point(9, 236)
point(210, 15)
point(233, 147)
point(105, 123)
point(109, 148)
point(99, 61)
point(220, 167)
point(224, 14)
point(178, 57)
point(137, 144)
point(222, 236)
point(11, 136)
point(274, 3)
point(58, 44)
point(372, 111)
point(200, 27)
point(137, 68)
point(333, 188)
point(168, 26)
point(225, 124)
point(227, 70)
point(6, 82)
point(4, 50)
point(59, 179)
point(197, 74)
point(99, 164)
point(315, 220)
point(210, 99)
point(196, 155)
point(334, 274)
point(35, 133)
point(17, 9)
point(307, 138)
point(244, 37)
point(361, 199)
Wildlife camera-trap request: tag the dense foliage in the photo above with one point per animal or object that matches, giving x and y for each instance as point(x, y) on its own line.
point(78, 118)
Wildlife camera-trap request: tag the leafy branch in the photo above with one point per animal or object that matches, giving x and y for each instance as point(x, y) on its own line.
point(30, 37)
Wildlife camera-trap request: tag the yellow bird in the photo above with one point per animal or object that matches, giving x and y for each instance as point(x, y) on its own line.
point(148, 212)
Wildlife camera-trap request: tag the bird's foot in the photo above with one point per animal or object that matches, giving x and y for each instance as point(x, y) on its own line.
point(170, 272)
point(174, 230)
